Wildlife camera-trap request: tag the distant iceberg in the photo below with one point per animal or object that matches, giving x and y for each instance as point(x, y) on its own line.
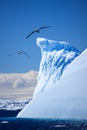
point(61, 91)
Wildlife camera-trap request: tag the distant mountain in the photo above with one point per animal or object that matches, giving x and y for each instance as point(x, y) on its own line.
point(61, 91)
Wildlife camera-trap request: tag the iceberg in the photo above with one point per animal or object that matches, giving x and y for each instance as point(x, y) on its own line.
point(13, 104)
point(62, 83)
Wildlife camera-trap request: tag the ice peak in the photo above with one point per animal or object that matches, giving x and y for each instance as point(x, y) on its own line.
point(51, 45)
point(56, 56)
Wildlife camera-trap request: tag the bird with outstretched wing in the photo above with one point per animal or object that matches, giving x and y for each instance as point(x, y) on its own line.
point(22, 52)
point(19, 53)
point(37, 30)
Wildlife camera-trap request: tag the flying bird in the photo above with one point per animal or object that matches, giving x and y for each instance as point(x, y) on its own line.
point(22, 52)
point(37, 30)
point(19, 53)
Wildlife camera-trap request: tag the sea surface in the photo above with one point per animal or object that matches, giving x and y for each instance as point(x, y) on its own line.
point(13, 123)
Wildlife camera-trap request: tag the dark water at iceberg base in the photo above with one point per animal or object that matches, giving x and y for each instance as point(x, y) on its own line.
point(8, 121)
point(13, 123)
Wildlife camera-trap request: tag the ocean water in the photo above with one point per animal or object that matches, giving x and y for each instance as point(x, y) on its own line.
point(13, 123)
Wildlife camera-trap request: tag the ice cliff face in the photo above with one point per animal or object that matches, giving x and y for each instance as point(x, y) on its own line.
point(56, 56)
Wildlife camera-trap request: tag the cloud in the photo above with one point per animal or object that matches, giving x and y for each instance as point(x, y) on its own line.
point(17, 85)
point(18, 80)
